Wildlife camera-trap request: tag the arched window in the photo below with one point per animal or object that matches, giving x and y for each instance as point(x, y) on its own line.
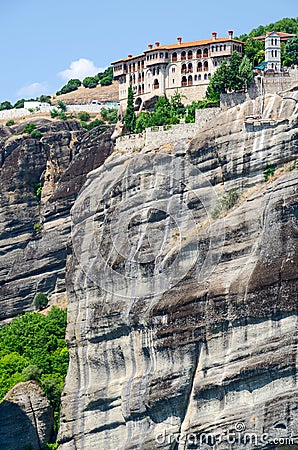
point(199, 53)
point(174, 57)
point(199, 67)
point(143, 88)
point(209, 75)
point(199, 77)
point(225, 47)
point(189, 54)
point(205, 53)
point(205, 76)
point(196, 77)
point(156, 84)
point(206, 66)
point(275, 41)
point(272, 53)
point(184, 81)
point(140, 89)
point(138, 103)
point(190, 80)
point(183, 56)
point(189, 67)
point(272, 42)
point(212, 48)
point(217, 48)
point(275, 53)
point(220, 48)
point(183, 68)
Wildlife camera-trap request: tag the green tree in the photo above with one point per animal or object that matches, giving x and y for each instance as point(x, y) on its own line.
point(291, 51)
point(61, 105)
point(29, 128)
point(218, 82)
point(254, 50)
point(41, 301)
point(245, 72)
point(82, 115)
point(5, 105)
point(90, 82)
point(234, 81)
point(106, 81)
point(130, 115)
point(19, 103)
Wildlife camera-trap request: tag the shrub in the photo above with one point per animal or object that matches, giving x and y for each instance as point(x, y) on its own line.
point(90, 82)
point(106, 81)
point(269, 171)
point(5, 105)
point(37, 227)
point(19, 103)
point(226, 202)
point(31, 372)
point(9, 123)
point(41, 301)
point(61, 105)
point(35, 134)
point(84, 116)
point(29, 128)
point(37, 190)
point(93, 124)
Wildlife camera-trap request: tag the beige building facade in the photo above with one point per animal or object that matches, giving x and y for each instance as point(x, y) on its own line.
point(162, 69)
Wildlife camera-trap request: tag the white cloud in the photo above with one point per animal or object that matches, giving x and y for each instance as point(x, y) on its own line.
point(80, 69)
point(33, 90)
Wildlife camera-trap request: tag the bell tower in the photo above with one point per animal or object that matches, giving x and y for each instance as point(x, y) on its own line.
point(272, 51)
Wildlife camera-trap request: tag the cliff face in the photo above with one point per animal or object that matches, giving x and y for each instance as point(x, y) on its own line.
point(180, 324)
point(33, 261)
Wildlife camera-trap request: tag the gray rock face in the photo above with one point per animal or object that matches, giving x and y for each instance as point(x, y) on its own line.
point(32, 262)
point(179, 324)
point(26, 418)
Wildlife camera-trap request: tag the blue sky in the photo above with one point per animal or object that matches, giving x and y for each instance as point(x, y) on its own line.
point(44, 43)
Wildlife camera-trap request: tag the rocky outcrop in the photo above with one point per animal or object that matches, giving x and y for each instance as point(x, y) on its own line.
point(182, 328)
point(33, 234)
point(26, 418)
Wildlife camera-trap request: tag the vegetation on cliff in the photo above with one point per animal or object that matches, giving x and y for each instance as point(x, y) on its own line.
point(33, 346)
point(230, 77)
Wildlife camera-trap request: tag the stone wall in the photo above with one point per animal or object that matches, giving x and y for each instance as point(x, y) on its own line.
point(156, 136)
point(271, 85)
point(24, 112)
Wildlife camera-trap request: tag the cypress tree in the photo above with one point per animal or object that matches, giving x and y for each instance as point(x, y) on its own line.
point(130, 115)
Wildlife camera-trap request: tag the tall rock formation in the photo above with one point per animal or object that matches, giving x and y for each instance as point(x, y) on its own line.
point(182, 322)
point(33, 260)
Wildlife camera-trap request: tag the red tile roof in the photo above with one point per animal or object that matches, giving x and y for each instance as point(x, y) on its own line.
point(283, 36)
point(182, 45)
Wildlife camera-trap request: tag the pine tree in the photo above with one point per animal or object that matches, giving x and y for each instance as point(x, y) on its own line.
point(130, 115)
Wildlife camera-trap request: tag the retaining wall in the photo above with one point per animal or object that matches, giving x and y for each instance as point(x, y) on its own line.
point(156, 136)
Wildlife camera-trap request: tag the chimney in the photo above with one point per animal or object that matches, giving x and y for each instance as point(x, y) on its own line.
point(157, 44)
point(179, 40)
point(231, 32)
point(214, 35)
point(129, 56)
point(150, 46)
